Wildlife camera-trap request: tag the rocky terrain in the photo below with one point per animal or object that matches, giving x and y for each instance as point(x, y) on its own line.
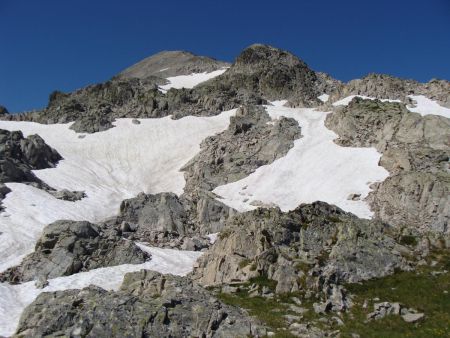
point(316, 270)
point(147, 304)
point(68, 247)
point(415, 151)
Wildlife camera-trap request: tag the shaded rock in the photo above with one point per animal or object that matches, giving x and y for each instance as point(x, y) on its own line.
point(147, 304)
point(68, 247)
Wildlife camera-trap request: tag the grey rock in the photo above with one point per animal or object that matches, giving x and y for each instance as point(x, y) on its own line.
point(147, 304)
point(67, 195)
point(415, 152)
point(68, 247)
point(413, 317)
point(281, 247)
point(160, 212)
point(172, 63)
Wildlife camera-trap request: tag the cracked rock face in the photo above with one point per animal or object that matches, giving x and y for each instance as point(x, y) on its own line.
point(313, 246)
point(148, 304)
point(416, 152)
point(250, 141)
point(68, 247)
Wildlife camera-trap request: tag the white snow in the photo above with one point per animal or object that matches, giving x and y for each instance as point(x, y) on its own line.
point(425, 106)
point(14, 298)
point(324, 97)
point(190, 81)
point(109, 166)
point(346, 100)
point(314, 169)
point(213, 237)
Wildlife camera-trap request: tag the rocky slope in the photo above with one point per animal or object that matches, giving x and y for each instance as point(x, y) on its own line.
point(260, 73)
point(309, 255)
point(148, 304)
point(68, 247)
point(172, 63)
point(314, 247)
point(383, 86)
point(19, 156)
point(416, 153)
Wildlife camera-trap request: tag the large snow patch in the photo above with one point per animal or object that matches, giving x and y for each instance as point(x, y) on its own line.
point(15, 298)
point(109, 166)
point(315, 169)
point(190, 81)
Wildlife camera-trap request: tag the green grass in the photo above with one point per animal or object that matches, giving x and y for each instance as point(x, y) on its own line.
point(418, 289)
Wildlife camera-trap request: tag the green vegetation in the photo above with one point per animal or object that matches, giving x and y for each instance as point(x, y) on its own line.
point(426, 292)
point(408, 240)
point(417, 289)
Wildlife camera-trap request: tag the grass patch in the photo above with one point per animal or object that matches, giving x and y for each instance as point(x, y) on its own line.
point(418, 289)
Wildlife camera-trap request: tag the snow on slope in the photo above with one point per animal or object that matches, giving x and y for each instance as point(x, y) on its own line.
point(346, 100)
point(425, 106)
point(190, 81)
point(314, 169)
point(324, 97)
point(109, 166)
point(15, 298)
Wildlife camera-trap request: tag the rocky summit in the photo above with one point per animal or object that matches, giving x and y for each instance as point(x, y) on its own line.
point(190, 197)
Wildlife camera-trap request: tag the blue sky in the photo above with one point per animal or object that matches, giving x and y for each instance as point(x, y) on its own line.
point(64, 45)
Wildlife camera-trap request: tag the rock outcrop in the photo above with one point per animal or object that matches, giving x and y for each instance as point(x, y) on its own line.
point(314, 247)
point(68, 247)
point(415, 151)
point(251, 140)
point(260, 73)
point(148, 304)
point(383, 86)
point(20, 155)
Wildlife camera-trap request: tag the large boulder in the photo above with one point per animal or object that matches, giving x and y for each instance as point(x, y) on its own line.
point(315, 245)
point(148, 304)
point(68, 247)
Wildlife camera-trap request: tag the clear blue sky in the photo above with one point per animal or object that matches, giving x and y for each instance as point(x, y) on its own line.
point(64, 45)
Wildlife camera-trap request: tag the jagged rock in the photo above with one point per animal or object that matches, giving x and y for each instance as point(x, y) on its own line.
point(314, 246)
point(416, 153)
point(384, 86)
point(147, 304)
point(160, 212)
point(260, 73)
point(381, 310)
point(68, 247)
point(67, 195)
point(19, 156)
point(248, 143)
point(3, 111)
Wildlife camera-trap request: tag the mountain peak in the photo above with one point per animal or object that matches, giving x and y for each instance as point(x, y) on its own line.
point(172, 63)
